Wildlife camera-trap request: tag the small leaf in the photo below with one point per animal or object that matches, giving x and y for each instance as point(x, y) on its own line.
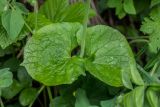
point(27, 96)
point(151, 27)
point(47, 55)
point(61, 11)
point(11, 91)
point(41, 20)
point(75, 13)
point(5, 78)
point(5, 40)
point(61, 102)
point(152, 97)
point(118, 5)
point(54, 9)
point(154, 2)
point(13, 22)
point(129, 6)
point(3, 4)
point(81, 99)
point(109, 103)
point(23, 77)
point(12, 63)
point(135, 98)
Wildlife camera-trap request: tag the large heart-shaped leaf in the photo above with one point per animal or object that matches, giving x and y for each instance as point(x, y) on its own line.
point(108, 55)
point(47, 55)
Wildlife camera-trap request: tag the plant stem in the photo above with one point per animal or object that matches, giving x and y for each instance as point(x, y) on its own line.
point(36, 13)
point(154, 69)
point(28, 27)
point(39, 91)
point(49, 93)
point(1, 102)
point(85, 21)
point(139, 37)
point(138, 41)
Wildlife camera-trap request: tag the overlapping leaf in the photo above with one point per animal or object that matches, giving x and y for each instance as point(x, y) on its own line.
point(27, 96)
point(108, 55)
point(5, 78)
point(134, 98)
point(47, 55)
point(5, 40)
point(3, 4)
point(153, 97)
point(61, 11)
point(13, 22)
point(122, 7)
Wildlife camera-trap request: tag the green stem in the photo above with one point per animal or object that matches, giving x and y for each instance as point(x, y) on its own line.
point(139, 37)
point(138, 41)
point(36, 13)
point(49, 93)
point(28, 27)
point(154, 69)
point(39, 91)
point(1, 102)
point(85, 21)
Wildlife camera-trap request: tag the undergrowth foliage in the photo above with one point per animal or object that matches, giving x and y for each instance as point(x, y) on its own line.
point(51, 55)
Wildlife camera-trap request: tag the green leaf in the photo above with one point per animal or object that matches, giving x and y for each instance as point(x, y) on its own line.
point(154, 2)
point(13, 22)
point(61, 11)
point(152, 97)
point(3, 4)
point(47, 55)
point(11, 91)
point(81, 99)
point(129, 6)
point(5, 40)
point(109, 103)
point(41, 20)
point(148, 79)
point(54, 9)
point(151, 27)
point(12, 63)
point(60, 102)
point(122, 7)
point(21, 8)
point(27, 96)
point(23, 77)
point(14, 105)
point(135, 98)
point(75, 13)
point(108, 55)
point(118, 5)
point(5, 78)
